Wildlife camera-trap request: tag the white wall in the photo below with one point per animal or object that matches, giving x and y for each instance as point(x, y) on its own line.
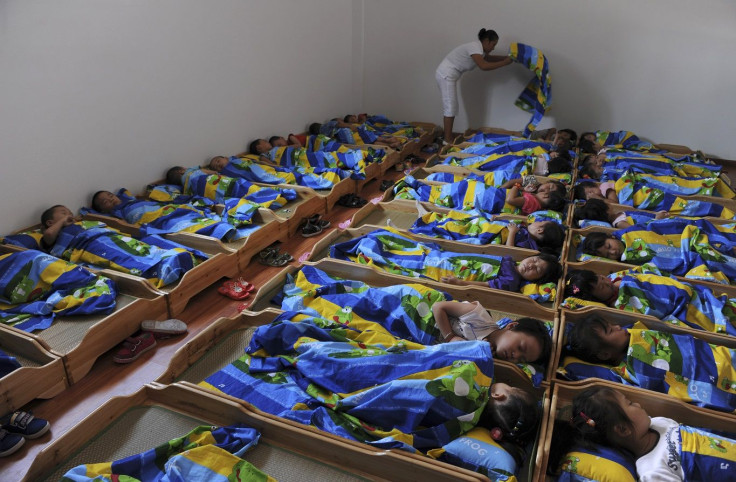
point(100, 94)
point(663, 68)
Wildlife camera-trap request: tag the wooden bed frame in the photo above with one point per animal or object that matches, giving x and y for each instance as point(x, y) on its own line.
point(492, 300)
point(229, 330)
point(305, 448)
point(656, 405)
point(41, 374)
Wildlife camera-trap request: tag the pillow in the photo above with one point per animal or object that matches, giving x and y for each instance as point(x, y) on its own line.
point(575, 369)
point(476, 450)
point(601, 464)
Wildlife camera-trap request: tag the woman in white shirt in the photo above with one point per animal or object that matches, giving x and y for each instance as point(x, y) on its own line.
point(460, 60)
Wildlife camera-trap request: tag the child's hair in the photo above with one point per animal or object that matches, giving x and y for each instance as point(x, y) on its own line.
point(588, 172)
point(314, 128)
point(489, 35)
point(253, 147)
point(593, 209)
point(587, 146)
point(593, 242)
point(48, 215)
point(556, 201)
point(573, 135)
point(517, 417)
point(554, 270)
point(347, 117)
point(559, 164)
point(537, 329)
point(580, 283)
point(581, 139)
point(173, 175)
point(578, 192)
point(584, 339)
point(595, 415)
point(94, 203)
point(552, 238)
point(273, 139)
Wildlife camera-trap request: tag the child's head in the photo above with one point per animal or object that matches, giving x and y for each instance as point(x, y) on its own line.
point(512, 415)
point(174, 175)
point(552, 186)
point(259, 146)
point(587, 190)
point(218, 163)
point(587, 146)
point(596, 340)
point(559, 164)
point(350, 119)
point(587, 136)
point(104, 201)
point(525, 340)
point(567, 135)
point(594, 210)
point(587, 285)
point(602, 415)
point(542, 268)
point(548, 235)
point(314, 128)
point(551, 200)
point(603, 245)
point(277, 141)
point(53, 214)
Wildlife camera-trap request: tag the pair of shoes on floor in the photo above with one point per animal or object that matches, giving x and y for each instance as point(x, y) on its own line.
point(351, 201)
point(413, 159)
point(385, 184)
point(272, 257)
point(17, 427)
point(314, 225)
point(431, 148)
point(151, 330)
point(238, 289)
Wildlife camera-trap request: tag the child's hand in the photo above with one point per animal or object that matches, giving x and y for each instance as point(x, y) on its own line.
point(450, 280)
point(68, 220)
point(513, 229)
point(661, 215)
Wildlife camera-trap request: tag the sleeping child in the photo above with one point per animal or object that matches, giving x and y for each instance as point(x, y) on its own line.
point(679, 365)
point(160, 261)
point(676, 246)
point(644, 290)
point(664, 449)
point(525, 340)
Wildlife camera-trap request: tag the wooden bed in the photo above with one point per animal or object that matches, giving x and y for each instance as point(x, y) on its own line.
point(224, 341)
point(287, 451)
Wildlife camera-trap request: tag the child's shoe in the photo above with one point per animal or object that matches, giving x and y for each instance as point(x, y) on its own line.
point(134, 347)
point(24, 424)
point(10, 442)
point(164, 328)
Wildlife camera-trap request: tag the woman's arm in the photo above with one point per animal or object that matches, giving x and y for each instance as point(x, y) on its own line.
point(483, 64)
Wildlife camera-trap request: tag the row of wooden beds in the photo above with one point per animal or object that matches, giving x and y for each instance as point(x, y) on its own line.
point(175, 394)
point(61, 355)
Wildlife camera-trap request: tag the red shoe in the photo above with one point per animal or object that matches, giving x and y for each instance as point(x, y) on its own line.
point(237, 290)
point(134, 347)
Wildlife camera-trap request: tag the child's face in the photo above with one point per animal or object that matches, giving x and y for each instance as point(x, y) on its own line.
point(279, 142)
point(536, 229)
point(603, 288)
point(263, 146)
point(638, 416)
point(516, 347)
point(548, 187)
point(352, 119)
point(106, 201)
point(533, 268)
point(616, 340)
point(611, 249)
point(218, 163)
point(593, 191)
point(62, 212)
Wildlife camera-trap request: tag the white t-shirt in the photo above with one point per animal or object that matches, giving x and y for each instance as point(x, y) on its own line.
point(475, 324)
point(459, 60)
point(663, 463)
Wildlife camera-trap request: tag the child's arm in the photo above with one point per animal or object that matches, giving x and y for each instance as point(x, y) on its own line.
point(442, 311)
point(611, 195)
point(513, 229)
point(52, 232)
point(513, 198)
point(510, 183)
point(461, 282)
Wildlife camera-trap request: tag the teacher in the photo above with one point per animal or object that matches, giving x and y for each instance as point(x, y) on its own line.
point(460, 60)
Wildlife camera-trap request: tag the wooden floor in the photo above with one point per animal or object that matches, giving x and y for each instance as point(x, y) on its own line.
point(108, 379)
